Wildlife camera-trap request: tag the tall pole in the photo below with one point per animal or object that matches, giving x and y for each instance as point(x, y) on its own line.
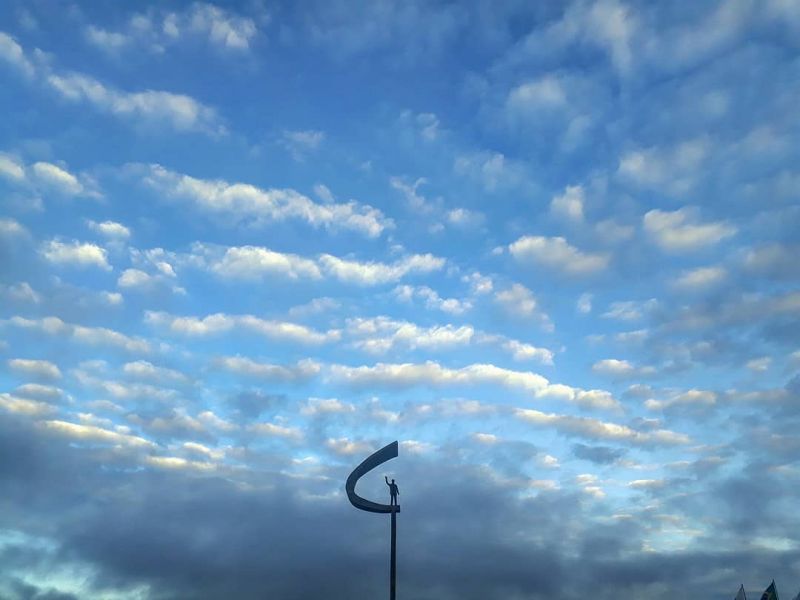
point(393, 566)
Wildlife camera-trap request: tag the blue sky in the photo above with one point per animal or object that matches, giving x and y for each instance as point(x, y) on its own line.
point(551, 249)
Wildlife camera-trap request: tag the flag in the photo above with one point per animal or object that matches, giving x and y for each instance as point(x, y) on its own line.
point(771, 593)
point(741, 595)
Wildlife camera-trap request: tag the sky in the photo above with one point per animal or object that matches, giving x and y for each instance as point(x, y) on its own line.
point(551, 248)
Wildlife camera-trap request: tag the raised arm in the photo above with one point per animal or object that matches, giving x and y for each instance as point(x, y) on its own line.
point(386, 479)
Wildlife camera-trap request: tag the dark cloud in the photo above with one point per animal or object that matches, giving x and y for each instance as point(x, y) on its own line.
point(601, 455)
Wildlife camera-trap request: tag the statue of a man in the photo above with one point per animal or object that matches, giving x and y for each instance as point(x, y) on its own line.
point(393, 491)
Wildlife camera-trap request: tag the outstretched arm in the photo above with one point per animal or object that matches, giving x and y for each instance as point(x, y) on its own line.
point(386, 479)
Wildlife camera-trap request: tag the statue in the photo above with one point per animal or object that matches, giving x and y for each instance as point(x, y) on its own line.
point(388, 452)
point(393, 491)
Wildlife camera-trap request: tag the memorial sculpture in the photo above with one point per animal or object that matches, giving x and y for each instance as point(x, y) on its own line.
point(388, 452)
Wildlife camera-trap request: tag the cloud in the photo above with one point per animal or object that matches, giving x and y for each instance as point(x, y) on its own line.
point(382, 334)
point(620, 369)
point(375, 273)
point(245, 203)
point(557, 254)
point(110, 229)
point(630, 310)
point(12, 228)
point(255, 262)
point(21, 292)
point(701, 278)
point(12, 52)
point(94, 434)
point(179, 111)
point(80, 254)
point(157, 29)
point(42, 369)
point(569, 205)
point(679, 231)
point(774, 260)
point(674, 169)
point(45, 177)
point(147, 371)
point(404, 375)
point(432, 299)
point(584, 303)
point(595, 429)
point(86, 335)
point(303, 370)
point(301, 143)
point(57, 178)
point(221, 323)
point(11, 168)
point(539, 94)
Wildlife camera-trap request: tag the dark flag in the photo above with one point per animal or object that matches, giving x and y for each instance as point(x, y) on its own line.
point(741, 595)
point(771, 593)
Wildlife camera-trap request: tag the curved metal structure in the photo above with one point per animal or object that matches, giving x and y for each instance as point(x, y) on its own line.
point(388, 452)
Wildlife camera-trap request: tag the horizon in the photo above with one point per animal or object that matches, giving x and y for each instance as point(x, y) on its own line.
point(550, 249)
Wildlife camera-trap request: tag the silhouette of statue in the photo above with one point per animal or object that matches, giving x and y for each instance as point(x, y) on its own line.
point(393, 491)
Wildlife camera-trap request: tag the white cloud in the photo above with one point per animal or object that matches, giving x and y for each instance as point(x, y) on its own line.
point(689, 397)
point(620, 369)
point(584, 304)
point(87, 335)
point(301, 143)
point(302, 370)
point(57, 178)
point(375, 273)
point(432, 299)
point(254, 262)
point(600, 430)
point(347, 447)
point(147, 371)
point(243, 202)
point(569, 205)
point(555, 253)
point(12, 52)
point(110, 229)
point(491, 169)
point(381, 334)
point(479, 284)
point(539, 94)
point(21, 292)
point(701, 278)
point(24, 406)
point(679, 231)
point(277, 430)
point(518, 300)
point(179, 111)
point(433, 374)
point(221, 323)
point(76, 253)
point(157, 29)
point(37, 390)
point(11, 168)
point(318, 406)
point(774, 260)
point(522, 352)
point(759, 365)
point(92, 433)
point(630, 310)
point(672, 169)
point(43, 369)
point(11, 228)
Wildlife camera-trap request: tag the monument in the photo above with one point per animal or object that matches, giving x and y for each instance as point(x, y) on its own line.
point(388, 452)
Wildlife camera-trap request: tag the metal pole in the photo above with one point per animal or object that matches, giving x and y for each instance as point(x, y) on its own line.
point(393, 567)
